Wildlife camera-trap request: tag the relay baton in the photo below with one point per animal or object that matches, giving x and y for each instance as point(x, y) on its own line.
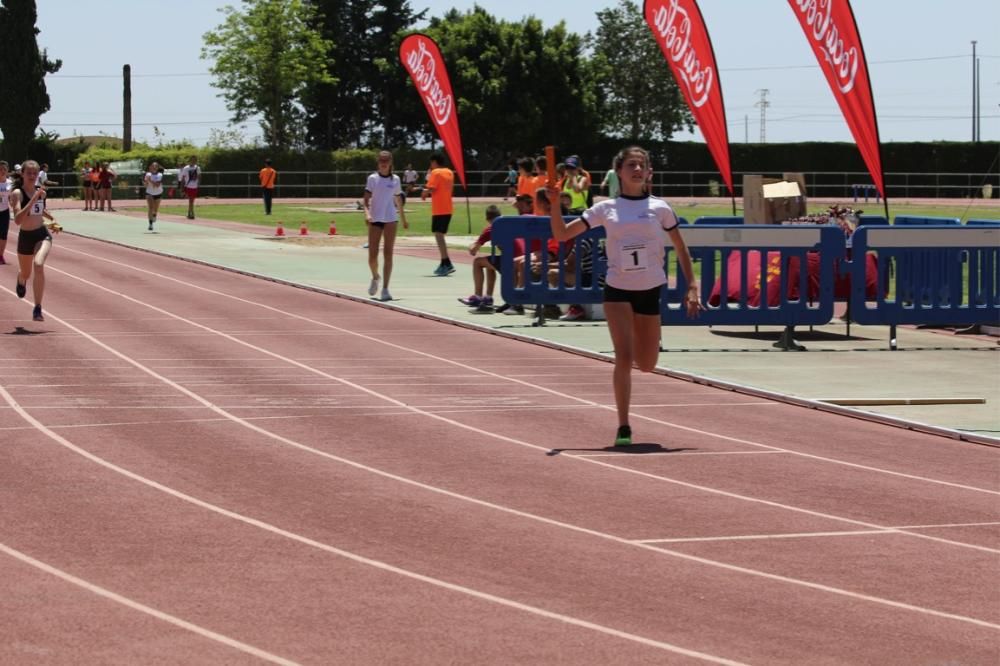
point(550, 164)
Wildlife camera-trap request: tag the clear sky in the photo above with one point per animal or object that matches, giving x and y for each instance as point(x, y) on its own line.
point(919, 55)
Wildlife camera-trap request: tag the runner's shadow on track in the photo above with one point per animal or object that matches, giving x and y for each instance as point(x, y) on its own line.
point(21, 330)
point(814, 336)
point(637, 449)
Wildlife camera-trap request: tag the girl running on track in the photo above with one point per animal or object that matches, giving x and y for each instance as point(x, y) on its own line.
point(154, 191)
point(33, 240)
point(637, 226)
point(383, 207)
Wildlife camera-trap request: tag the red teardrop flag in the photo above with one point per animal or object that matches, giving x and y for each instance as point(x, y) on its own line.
point(421, 57)
point(679, 29)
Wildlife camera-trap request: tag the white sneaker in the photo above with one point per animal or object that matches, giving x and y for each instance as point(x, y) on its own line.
point(386, 296)
point(373, 286)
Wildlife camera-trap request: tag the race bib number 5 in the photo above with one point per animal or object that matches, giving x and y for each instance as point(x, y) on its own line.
point(634, 257)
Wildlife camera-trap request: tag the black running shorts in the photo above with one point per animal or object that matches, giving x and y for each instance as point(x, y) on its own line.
point(645, 302)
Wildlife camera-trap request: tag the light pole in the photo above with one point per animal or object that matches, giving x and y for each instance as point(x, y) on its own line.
point(975, 137)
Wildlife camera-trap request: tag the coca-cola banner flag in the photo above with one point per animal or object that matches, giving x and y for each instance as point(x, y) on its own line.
point(680, 31)
point(422, 59)
point(830, 28)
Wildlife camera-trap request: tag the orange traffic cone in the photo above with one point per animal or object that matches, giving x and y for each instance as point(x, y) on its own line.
point(333, 227)
point(280, 229)
point(303, 230)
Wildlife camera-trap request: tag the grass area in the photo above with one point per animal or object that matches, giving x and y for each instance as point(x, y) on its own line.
point(349, 223)
point(352, 223)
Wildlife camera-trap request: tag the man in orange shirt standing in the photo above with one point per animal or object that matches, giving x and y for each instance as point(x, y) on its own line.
point(440, 184)
point(268, 176)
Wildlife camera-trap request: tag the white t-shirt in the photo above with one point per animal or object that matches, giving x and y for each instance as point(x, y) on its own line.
point(636, 232)
point(6, 186)
point(189, 176)
point(409, 176)
point(154, 184)
point(42, 177)
point(383, 203)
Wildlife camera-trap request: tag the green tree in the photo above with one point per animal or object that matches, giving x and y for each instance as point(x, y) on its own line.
point(23, 97)
point(265, 56)
point(640, 99)
point(392, 124)
point(364, 107)
point(517, 85)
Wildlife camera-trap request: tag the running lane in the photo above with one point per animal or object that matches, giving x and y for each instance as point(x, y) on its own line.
point(272, 472)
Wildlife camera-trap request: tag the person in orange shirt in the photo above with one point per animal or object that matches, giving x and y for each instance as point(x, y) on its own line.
point(541, 179)
point(525, 178)
point(268, 176)
point(440, 184)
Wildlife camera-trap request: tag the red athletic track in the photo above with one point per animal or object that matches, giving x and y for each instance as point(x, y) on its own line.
point(200, 467)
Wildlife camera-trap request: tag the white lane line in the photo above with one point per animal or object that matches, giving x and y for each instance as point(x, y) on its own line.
point(500, 377)
point(354, 557)
point(812, 534)
point(505, 509)
point(168, 422)
point(942, 525)
point(750, 537)
point(142, 608)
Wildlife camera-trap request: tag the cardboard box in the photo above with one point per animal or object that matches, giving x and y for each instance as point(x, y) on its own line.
point(773, 200)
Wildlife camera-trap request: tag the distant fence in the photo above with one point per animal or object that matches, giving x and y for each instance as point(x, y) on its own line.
point(350, 184)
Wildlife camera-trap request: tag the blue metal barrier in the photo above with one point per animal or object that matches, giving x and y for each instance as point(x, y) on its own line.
point(943, 275)
point(926, 274)
point(534, 287)
point(720, 219)
point(712, 244)
point(548, 283)
point(922, 221)
point(872, 221)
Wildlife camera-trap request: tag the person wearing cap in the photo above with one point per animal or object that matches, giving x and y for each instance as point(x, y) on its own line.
point(576, 184)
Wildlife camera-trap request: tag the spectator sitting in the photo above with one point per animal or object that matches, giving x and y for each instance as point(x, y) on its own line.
point(483, 270)
point(535, 257)
point(585, 255)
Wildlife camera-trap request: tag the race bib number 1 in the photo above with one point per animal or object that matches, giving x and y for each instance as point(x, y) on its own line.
point(634, 257)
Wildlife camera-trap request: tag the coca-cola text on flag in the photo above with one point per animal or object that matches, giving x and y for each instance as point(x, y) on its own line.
point(679, 29)
point(833, 35)
point(421, 57)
